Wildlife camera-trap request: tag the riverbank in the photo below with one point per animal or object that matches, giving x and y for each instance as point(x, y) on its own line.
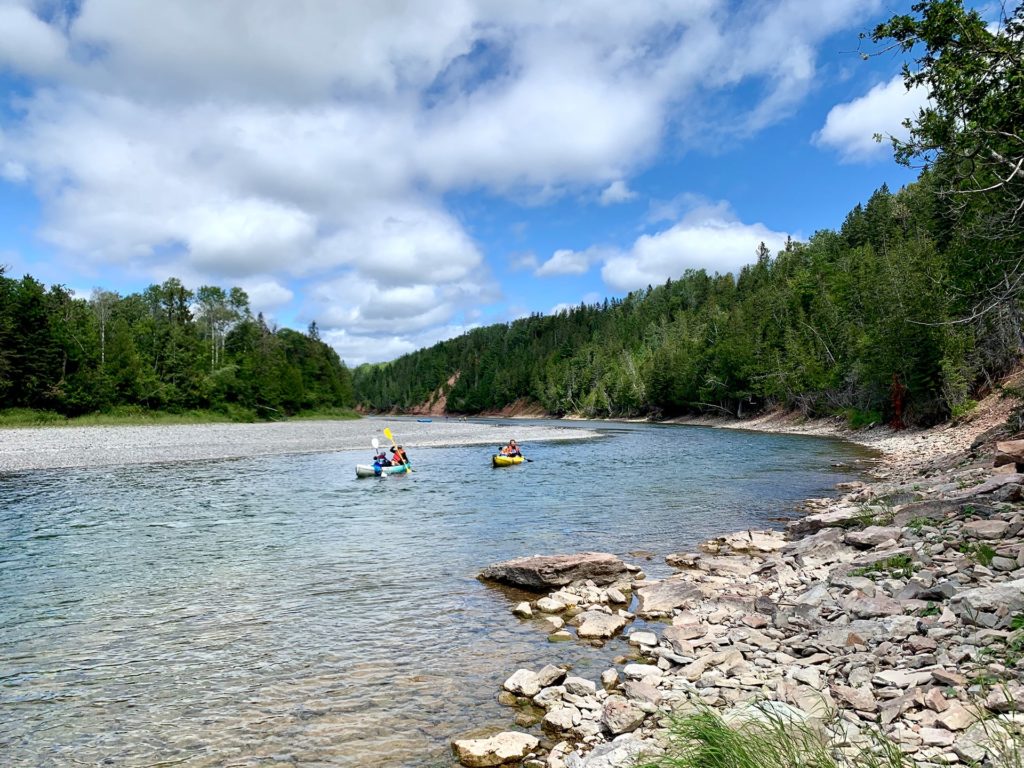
point(94, 446)
point(892, 612)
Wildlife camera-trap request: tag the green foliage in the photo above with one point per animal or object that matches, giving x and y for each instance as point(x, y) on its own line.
point(705, 740)
point(979, 552)
point(126, 359)
point(962, 409)
point(857, 419)
point(900, 566)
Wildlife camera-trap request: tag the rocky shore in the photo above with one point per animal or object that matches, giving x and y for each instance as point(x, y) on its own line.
point(894, 611)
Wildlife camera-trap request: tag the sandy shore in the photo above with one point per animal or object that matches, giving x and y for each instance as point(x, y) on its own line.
point(64, 447)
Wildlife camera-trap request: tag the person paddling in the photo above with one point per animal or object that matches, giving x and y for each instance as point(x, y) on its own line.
point(399, 456)
point(512, 449)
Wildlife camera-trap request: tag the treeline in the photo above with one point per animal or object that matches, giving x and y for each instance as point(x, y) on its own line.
point(167, 348)
point(863, 321)
point(903, 315)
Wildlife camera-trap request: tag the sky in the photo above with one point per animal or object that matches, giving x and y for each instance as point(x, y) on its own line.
point(401, 172)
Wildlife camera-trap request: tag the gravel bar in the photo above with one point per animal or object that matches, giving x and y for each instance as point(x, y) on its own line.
point(61, 447)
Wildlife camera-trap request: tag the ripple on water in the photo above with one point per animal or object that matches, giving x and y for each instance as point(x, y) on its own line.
point(239, 612)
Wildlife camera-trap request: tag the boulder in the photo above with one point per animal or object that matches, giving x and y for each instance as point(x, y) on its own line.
point(503, 749)
point(1004, 600)
point(986, 529)
point(599, 625)
point(620, 715)
point(1009, 452)
point(542, 572)
point(661, 597)
point(523, 682)
point(872, 536)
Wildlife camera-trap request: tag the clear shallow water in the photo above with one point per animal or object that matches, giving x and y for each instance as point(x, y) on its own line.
point(278, 611)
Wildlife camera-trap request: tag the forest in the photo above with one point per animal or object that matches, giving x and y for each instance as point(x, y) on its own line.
point(165, 349)
point(904, 315)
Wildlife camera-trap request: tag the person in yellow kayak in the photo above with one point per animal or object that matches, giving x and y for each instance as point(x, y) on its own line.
point(512, 449)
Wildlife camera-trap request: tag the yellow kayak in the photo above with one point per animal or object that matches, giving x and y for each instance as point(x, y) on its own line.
point(505, 461)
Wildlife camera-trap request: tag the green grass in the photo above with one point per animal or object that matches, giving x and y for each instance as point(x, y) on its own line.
point(901, 566)
point(979, 552)
point(705, 740)
point(135, 416)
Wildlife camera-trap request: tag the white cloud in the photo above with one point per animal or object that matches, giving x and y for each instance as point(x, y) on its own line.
point(28, 44)
point(850, 128)
point(709, 237)
point(242, 141)
point(564, 262)
point(267, 295)
point(616, 192)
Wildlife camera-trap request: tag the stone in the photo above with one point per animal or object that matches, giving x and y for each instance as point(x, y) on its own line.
point(872, 536)
point(561, 718)
point(616, 596)
point(947, 678)
point(523, 682)
point(986, 529)
point(624, 752)
point(661, 597)
point(643, 639)
point(610, 679)
point(641, 671)
point(863, 607)
point(936, 737)
point(860, 699)
point(956, 717)
point(550, 675)
point(619, 715)
point(755, 620)
point(502, 749)
point(1006, 697)
point(901, 678)
point(936, 701)
point(595, 624)
point(1009, 452)
point(1003, 600)
point(579, 686)
point(523, 610)
point(550, 605)
point(642, 692)
point(543, 572)
point(554, 623)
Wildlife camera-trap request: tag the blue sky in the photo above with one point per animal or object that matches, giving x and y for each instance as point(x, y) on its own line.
point(401, 172)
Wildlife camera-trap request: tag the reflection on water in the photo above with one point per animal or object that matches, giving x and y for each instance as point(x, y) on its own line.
point(279, 611)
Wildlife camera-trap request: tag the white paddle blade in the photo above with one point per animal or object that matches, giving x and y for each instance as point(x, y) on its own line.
point(375, 443)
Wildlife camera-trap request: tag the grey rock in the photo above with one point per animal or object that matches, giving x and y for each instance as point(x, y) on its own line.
point(547, 571)
point(986, 529)
point(523, 682)
point(501, 749)
point(595, 624)
point(579, 686)
point(619, 715)
point(872, 536)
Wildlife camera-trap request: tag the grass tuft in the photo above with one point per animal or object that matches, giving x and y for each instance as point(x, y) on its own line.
point(769, 740)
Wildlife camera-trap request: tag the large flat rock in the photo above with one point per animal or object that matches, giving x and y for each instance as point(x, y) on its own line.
point(542, 572)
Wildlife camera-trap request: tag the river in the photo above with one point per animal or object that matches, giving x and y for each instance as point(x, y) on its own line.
point(278, 611)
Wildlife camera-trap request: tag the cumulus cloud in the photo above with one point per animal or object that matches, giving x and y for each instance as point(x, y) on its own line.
point(241, 141)
point(267, 295)
point(850, 128)
point(709, 237)
point(616, 192)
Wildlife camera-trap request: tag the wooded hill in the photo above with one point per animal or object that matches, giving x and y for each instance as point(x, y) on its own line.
point(902, 315)
point(167, 348)
point(855, 321)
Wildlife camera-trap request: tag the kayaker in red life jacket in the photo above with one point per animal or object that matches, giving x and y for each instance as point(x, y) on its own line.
point(512, 449)
point(398, 456)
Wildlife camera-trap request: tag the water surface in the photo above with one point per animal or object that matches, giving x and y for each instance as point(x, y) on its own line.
point(277, 611)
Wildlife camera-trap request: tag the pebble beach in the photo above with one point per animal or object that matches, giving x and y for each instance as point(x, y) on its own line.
point(24, 449)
